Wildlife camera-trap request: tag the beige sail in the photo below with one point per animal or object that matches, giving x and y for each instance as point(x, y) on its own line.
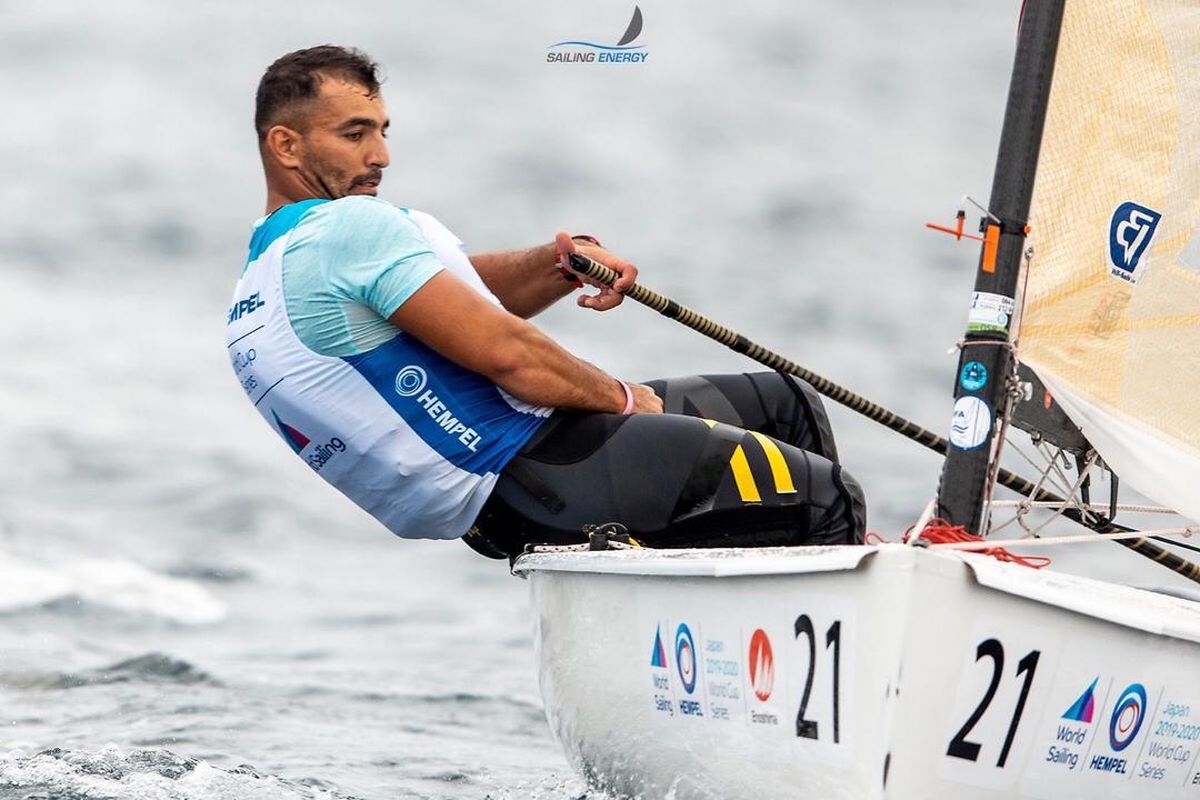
point(1111, 316)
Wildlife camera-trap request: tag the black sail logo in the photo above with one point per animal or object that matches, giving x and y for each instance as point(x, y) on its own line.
point(635, 28)
point(579, 51)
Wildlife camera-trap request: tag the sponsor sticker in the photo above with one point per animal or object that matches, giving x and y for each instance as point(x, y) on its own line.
point(1129, 236)
point(971, 422)
point(1069, 743)
point(762, 665)
point(1127, 717)
point(723, 672)
point(973, 376)
point(662, 698)
point(685, 657)
point(990, 312)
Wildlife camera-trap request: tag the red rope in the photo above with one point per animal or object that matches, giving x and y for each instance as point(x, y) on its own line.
point(939, 531)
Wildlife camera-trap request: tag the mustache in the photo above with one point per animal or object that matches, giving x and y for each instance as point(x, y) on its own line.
point(371, 177)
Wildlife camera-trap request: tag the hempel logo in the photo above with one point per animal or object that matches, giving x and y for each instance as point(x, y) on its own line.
point(581, 52)
point(411, 382)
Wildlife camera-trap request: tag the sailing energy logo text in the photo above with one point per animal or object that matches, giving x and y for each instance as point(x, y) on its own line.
point(575, 51)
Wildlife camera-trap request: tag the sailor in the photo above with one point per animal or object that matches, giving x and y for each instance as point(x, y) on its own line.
point(405, 373)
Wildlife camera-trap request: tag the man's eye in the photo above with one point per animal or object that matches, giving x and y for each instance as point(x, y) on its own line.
point(355, 136)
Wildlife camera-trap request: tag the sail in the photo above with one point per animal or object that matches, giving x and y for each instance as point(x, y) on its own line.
point(1111, 316)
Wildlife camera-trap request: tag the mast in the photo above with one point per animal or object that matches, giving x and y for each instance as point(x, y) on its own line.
point(985, 362)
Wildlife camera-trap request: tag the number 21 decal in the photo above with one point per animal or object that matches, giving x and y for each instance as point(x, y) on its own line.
point(807, 728)
point(960, 746)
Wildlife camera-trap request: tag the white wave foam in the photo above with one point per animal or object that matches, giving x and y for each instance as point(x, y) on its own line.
point(115, 583)
point(151, 774)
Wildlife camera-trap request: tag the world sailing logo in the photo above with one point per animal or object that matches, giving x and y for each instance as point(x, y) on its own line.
point(320, 455)
point(575, 51)
point(295, 439)
point(1083, 709)
point(1129, 236)
point(658, 657)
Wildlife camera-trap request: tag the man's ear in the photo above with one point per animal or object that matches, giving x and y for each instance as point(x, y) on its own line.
point(284, 144)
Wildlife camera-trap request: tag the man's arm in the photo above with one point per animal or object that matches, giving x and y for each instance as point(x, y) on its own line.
point(524, 281)
point(527, 281)
point(456, 321)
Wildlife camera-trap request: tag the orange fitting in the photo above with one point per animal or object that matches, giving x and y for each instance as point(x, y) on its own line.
point(991, 246)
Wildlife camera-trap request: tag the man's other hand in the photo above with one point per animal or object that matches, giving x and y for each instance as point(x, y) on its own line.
point(607, 297)
point(645, 401)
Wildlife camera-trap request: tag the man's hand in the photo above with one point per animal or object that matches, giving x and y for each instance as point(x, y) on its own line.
point(607, 297)
point(645, 401)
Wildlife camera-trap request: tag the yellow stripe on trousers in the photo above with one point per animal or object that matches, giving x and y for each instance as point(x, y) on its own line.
point(742, 477)
point(779, 467)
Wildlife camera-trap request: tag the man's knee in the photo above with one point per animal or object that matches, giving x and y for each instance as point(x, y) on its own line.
point(845, 521)
point(798, 410)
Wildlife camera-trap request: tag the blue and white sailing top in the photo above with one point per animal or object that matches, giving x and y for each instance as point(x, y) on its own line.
point(412, 438)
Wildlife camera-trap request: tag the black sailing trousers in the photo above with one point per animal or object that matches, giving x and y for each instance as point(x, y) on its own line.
point(736, 461)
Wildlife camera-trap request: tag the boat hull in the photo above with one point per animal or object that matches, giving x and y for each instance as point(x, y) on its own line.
point(888, 672)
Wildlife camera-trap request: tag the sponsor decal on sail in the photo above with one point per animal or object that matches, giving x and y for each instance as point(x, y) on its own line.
point(1129, 236)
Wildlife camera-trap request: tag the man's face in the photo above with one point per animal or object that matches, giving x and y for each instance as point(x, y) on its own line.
point(344, 149)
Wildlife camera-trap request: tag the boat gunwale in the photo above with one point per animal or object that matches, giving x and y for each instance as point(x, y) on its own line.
point(1126, 606)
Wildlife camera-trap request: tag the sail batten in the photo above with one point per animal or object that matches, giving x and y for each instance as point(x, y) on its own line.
point(1111, 318)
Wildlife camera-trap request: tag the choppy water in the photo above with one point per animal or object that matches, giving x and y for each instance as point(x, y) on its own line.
point(185, 611)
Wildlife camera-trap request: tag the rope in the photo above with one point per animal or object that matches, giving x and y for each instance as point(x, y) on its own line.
point(940, 533)
point(1054, 541)
point(738, 343)
point(1126, 507)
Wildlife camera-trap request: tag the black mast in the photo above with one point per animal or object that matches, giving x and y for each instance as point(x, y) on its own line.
point(981, 383)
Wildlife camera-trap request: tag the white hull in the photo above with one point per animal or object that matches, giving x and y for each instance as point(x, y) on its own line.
point(908, 641)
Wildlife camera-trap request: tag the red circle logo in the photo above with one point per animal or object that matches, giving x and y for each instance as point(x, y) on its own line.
point(762, 665)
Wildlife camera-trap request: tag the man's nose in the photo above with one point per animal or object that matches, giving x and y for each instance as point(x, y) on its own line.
point(378, 158)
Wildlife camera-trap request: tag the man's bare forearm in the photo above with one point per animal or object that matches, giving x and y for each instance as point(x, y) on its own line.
point(525, 281)
point(538, 370)
point(459, 323)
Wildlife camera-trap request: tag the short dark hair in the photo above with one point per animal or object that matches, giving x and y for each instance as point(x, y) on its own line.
point(297, 77)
